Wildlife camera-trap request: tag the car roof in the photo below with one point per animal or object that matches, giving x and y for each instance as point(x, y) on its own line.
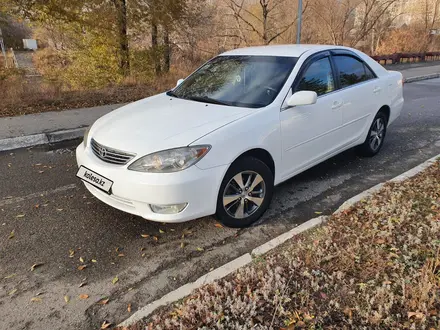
point(279, 50)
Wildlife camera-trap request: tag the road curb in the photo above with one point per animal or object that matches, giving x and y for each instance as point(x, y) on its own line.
point(247, 258)
point(40, 139)
point(420, 78)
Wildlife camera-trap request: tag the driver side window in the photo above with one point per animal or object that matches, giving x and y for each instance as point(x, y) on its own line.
point(318, 78)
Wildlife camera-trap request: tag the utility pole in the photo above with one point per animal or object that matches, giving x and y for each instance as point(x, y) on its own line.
point(300, 12)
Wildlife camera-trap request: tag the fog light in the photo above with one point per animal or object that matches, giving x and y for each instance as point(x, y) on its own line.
point(168, 209)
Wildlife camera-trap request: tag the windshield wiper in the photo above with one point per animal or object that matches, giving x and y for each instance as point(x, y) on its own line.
point(171, 93)
point(206, 99)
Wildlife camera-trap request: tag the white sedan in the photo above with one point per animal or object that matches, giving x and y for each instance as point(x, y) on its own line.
point(244, 122)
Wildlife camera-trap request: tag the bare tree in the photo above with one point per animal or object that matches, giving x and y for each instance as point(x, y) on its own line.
point(259, 19)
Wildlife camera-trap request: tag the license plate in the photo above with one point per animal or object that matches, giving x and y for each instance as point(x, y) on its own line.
point(94, 179)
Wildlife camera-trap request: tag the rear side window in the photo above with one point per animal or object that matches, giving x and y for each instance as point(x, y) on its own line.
point(318, 78)
point(351, 70)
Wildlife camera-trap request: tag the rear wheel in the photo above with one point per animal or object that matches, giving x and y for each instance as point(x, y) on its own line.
point(376, 136)
point(245, 193)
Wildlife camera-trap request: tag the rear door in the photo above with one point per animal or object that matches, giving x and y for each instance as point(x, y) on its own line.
point(361, 92)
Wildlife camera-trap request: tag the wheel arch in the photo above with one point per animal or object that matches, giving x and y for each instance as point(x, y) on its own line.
point(262, 155)
point(387, 111)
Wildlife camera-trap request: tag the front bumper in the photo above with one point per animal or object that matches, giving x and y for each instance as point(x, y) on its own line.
point(133, 192)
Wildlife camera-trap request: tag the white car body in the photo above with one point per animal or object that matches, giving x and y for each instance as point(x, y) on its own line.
point(293, 139)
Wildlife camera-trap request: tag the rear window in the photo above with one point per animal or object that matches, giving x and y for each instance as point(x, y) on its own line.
point(352, 71)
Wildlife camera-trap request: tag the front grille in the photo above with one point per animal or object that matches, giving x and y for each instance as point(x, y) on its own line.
point(110, 155)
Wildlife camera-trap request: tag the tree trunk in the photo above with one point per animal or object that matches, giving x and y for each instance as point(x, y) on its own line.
point(155, 47)
point(124, 52)
point(167, 50)
point(265, 25)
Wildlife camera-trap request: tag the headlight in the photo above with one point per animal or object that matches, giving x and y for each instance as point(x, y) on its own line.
point(86, 136)
point(172, 160)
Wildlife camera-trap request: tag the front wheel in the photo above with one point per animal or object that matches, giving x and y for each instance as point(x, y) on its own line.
point(245, 193)
point(376, 136)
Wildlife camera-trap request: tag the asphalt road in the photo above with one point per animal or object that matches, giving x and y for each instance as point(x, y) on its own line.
point(47, 216)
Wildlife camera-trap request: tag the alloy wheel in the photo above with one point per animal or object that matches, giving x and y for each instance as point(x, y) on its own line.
point(377, 134)
point(244, 194)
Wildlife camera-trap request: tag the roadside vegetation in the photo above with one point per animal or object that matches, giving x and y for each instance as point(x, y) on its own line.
point(94, 52)
point(375, 266)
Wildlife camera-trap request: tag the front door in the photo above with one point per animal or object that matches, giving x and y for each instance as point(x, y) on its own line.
point(312, 132)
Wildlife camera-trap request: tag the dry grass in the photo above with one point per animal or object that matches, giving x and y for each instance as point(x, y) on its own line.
point(375, 266)
point(21, 95)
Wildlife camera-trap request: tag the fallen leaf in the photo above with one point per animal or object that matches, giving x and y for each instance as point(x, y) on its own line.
point(94, 260)
point(142, 249)
point(121, 255)
point(105, 325)
point(36, 299)
point(417, 315)
point(12, 292)
point(40, 172)
point(36, 265)
point(10, 276)
point(129, 308)
point(218, 225)
point(39, 293)
point(82, 284)
point(83, 296)
point(200, 249)
point(115, 279)
point(37, 206)
point(155, 238)
point(103, 301)
point(82, 267)
point(182, 245)
point(81, 259)
point(172, 229)
point(143, 255)
point(66, 299)
point(59, 210)
point(12, 234)
point(145, 235)
point(161, 231)
point(20, 216)
point(317, 212)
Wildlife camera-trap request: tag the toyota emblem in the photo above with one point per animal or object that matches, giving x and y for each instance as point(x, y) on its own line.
point(102, 152)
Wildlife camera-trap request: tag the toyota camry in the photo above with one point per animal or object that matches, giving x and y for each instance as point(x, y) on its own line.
point(241, 124)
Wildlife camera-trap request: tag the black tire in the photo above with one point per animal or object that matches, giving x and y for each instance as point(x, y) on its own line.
point(247, 168)
point(368, 148)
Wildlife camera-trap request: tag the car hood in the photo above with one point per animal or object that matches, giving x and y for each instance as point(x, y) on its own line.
point(161, 122)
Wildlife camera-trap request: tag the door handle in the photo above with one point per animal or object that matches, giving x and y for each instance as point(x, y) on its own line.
point(336, 105)
point(377, 90)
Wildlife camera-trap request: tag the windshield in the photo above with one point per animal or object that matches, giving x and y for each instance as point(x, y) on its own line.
point(245, 81)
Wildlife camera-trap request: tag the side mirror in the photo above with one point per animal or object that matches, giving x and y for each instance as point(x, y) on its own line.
point(302, 98)
point(179, 82)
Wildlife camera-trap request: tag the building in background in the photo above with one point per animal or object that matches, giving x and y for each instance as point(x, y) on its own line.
point(30, 44)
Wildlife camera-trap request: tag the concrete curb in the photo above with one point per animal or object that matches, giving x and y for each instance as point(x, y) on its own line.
point(424, 77)
point(40, 139)
point(404, 176)
point(247, 258)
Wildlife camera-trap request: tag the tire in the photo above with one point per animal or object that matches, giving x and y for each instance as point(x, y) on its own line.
point(244, 207)
point(374, 141)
